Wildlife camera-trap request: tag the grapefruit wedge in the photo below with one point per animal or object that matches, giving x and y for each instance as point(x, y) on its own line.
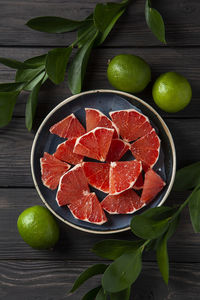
point(88, 209)
point(139, 183)
point(124, 203)
point(95, 143)
point(131, 124)
point(147, 149)
point(117, 149)
point(95, 118)
point(123, 175)
point(153, 184)
point(73, 185)
point(52, 169)
point(97, 175)
point(69, 127)
point(65, 153)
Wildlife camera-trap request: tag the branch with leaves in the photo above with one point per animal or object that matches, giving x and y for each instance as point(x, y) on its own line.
point(152, 229)
point(91, 32)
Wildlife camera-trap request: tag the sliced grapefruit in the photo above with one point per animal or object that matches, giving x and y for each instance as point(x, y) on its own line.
point(95, 118)
point(147, 149)
point(95, 143)
point(65, 153)
point(117, 149)
point(124, 203)
point(88, 209)
point(139, 183)
point(73, 185)
point(153, 184)
point(123, 175)
point(131, 124)
point(97, 175)
point(69, 127)
point(52, 169)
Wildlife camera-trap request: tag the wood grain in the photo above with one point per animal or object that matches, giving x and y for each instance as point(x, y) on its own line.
point(49, 280)
point(181, 18)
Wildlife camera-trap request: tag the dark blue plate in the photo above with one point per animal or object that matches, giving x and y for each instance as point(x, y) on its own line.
point(106, 101)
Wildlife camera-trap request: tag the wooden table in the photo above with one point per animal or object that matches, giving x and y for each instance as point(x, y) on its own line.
point(47, 275)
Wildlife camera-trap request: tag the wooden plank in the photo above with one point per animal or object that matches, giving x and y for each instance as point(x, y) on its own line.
point(184, 61)
point(16, 144)
point(49, 280)
point(14, 201)
point(181, 18)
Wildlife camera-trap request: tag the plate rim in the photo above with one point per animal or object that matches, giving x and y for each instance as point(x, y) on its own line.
point(73, 97)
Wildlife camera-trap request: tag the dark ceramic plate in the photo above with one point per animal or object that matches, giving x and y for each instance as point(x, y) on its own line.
point(106, 101)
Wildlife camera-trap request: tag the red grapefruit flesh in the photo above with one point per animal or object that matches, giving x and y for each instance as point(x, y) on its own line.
point(88, 209)
point(52, 169)
point(139, 183)
point(117, 149)
point(147, 149)
point(69, 127)
point(95, 143)
point(123, 175)
point(124, 203)
point(97, 175)
point(131, 124)
point(95, 118)
point(153, 184)
point(73, 185)
point(65, 153)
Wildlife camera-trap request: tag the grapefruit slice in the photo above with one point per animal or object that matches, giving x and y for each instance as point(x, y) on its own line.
point(139, 183)
point(95, 143)
point(153, 184)
point(65, 153)
point(52, 169)
point(69, 127)
point(88, 209)
point(73, 185)
point(97, 175)
point(147, 149)
point(131, 124)
point(117, 149)
point(95, 118)
point(124, 203)
point(123, 175)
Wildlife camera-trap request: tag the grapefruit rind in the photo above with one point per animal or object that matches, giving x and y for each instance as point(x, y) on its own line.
point(88, 209)
point(117, 149)
point(72, 186)
point(95, 143)
point(65, 153)
point(95, 118)
point(51, 175)
point(125, 203)
point(69, 127)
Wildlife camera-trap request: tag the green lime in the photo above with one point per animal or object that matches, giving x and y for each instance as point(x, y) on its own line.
point(38, 227)
point(172, 92)
point(129, 73)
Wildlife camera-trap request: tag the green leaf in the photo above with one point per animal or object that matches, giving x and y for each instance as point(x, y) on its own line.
point(194, 207)
point(53, 24)
point(31, 105)
point(11, 86)
point(187, 178)
point(37, 61)
point(90, 272)
point(91, 295)
point(56, 63)
point(155, 22)
point(78, 66)
point(152, 223)
point(112, 249)
point(101, 295)
point(85, 34)
point(121, 274)
point(31, 77)
point(7, 104)
point(14, 64)
point(123, 295)
point(162, 258)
